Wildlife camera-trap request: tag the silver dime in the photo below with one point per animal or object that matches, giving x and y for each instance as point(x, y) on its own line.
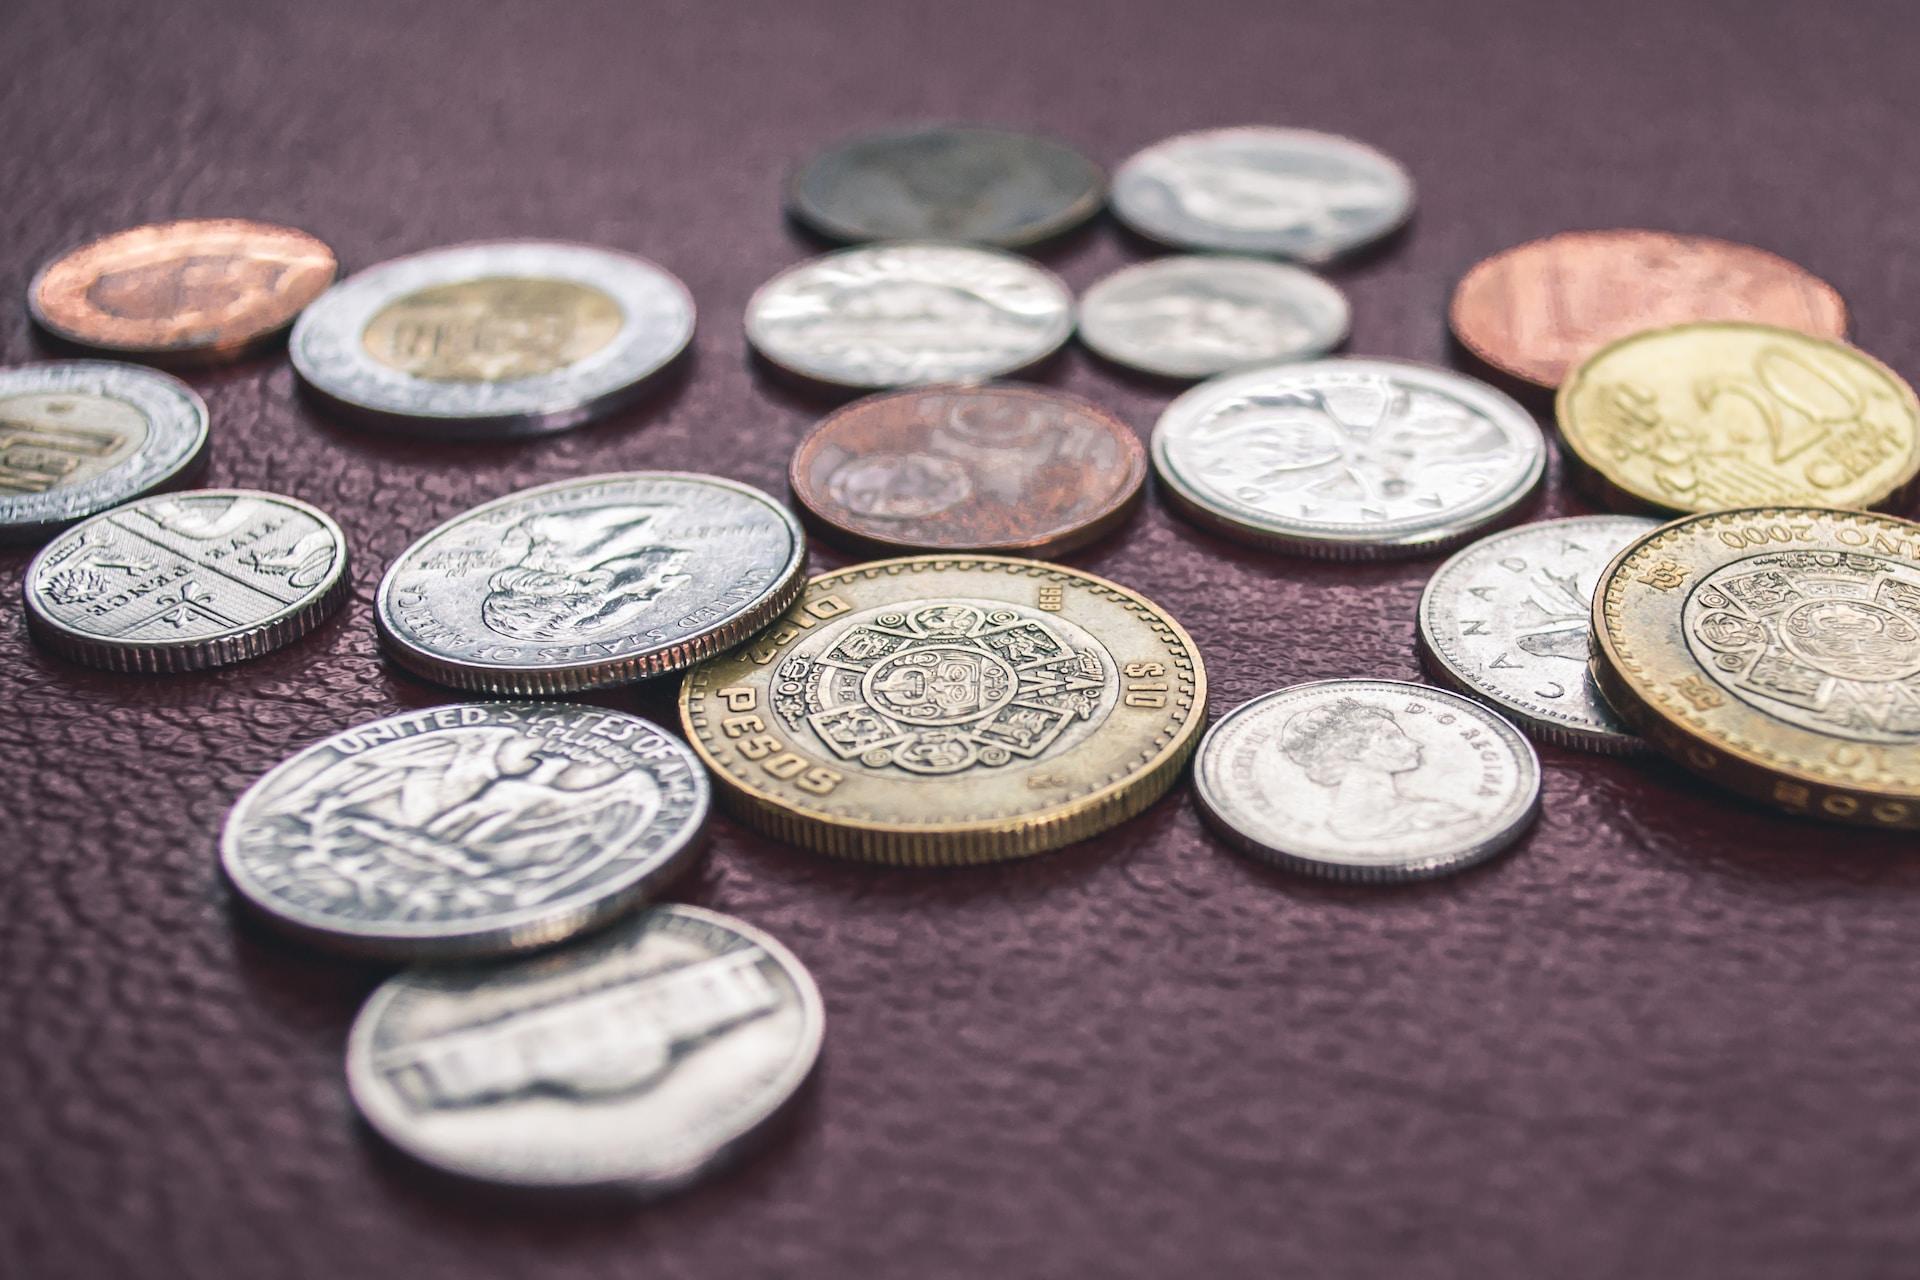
point(1508, 619)
point(1193, 317)
point(511, 337)
point(1367, 779)
point(590, 582)
point(177, 582)
point(894, 315)
point(1288, 193)
point(80, 436)
point(1348, 458)
point(641, 1056)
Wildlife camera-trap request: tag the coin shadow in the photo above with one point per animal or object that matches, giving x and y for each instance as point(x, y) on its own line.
point(1053, 248)
point(1140, 248)
point(807, 395)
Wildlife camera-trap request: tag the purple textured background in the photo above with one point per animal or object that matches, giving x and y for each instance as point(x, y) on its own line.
point(1670, 1034)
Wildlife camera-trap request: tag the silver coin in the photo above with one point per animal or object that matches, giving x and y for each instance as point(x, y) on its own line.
point(1288, 193)
point(1367, 779)
point(80, 436)
point(1507, 620)
point(1193, 317)
point(641, 1056)
point(512, 337)
point(590, 582)
point(1348, 458)
point(177, 582)
point(893, 315)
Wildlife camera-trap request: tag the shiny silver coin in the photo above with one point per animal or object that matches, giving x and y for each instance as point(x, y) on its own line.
point(1507, 621)
point(893, 315)
point(1288, 193)
point(513, 337)
point(1194, 317)
point(590, 582)
point(80, 436)
point(640, 1057)
point(181, 581)
point(1348, 458)
point(1367, 780)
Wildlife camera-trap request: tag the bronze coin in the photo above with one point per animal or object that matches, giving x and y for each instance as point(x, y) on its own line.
point(1536, 310)
point(970, 468)
point(196, 291)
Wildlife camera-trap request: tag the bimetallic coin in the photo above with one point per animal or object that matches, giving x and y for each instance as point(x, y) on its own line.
point(80, 436)
point(1348, 458)
point(641, 1057)
point(1506, 620)
point(590, 582)
point(1193, 317)
point(993, 468)
point(1367, 780)
point(893, 315)
point(182, 581)
point(512, 337)
point(1708, 417)
point(950, 709)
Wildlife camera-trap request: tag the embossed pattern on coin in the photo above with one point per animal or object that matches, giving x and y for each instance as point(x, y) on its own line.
point(1196, 316)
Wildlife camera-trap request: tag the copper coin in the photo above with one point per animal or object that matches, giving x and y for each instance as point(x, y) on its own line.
point(973, 468)
point(196, 291)
point(1538, 309)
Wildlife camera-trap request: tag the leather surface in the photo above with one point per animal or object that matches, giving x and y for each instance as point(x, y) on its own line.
point(1671, 1034)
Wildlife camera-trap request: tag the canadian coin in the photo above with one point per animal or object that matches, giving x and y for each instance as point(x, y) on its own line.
point(1348, 458)
point(511, 337)
point(1367, 780)
point(1193, 317)
point(642, 1056)
point(590, 582)
point(950, 709)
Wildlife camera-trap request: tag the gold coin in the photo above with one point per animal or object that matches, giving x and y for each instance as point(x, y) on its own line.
point(1776, 651)
point(943, 709)
point(1717, 415)
point(493, 329)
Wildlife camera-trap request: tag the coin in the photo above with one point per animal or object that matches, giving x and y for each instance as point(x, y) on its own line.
point(590, 582)
point(1193, 317)
point(1367, 780)
point(947, 182)
point(641, 1057)
point(894, 315)
point(1775, 651)
point(195, 291)
point(1506, 621)
point(993, 468)
point(79, 436)
point(1706, 417)
point(1347, 458)
point(1288, 193)
point(512, 337)
point(1536, 310)
point(950, 709)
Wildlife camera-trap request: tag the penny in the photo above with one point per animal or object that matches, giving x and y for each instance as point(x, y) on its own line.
point(1706, 417)
point(1367, 780)
point(182, 581)
point(195, 291)
point(902, 314)
point(1536, 310)
point(993, 468)
point(1775, 651)
point(1347, 458)
point(1193, 317)
point(590, 582)
point(947, 182)
point(949, 709)
point(512, 337)
point(641, 1057)
point(1287, 193)
point(1507, 619)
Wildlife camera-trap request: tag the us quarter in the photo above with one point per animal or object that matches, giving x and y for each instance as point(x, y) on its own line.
point(1367, 780)
point(1193, 317)
point(640, 1057)
point(1348, 458)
